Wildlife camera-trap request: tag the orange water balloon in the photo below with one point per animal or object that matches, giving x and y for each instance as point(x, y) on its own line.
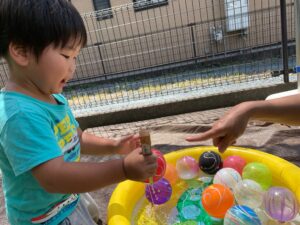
point(171, 174)
point(217, 199)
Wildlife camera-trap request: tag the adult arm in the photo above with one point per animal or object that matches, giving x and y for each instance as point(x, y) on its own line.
point(226, 130)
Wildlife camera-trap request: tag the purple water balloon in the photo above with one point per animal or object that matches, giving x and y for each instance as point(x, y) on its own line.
point(159, 192)
point(281, 204)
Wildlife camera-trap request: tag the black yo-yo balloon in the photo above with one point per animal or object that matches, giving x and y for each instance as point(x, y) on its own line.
point(210, 162)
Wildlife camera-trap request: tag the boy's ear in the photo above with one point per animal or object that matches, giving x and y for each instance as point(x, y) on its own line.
point(19, 54)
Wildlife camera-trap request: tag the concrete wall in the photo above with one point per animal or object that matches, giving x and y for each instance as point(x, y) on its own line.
point(204, 103)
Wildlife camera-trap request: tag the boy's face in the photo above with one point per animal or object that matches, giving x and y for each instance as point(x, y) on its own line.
point(54, 68)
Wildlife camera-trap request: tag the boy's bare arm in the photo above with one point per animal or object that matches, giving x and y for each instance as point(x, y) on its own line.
point(57, 176)
point(94, 145)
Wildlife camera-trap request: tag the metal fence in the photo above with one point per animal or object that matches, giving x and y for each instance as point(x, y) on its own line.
point(178, 50)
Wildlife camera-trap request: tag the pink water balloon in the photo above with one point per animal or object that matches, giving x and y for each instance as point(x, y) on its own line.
point(235, 162)
point(161, 166)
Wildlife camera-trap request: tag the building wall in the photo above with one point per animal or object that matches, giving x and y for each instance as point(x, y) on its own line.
point(84, 6)
point(181, 30)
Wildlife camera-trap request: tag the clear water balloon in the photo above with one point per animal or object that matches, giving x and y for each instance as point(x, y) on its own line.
point(248, 192)
point(281, 204)
point(187, 168)
point(228, 177)
point(241, 215)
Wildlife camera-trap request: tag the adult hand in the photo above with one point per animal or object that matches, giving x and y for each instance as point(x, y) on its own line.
point(226, 130)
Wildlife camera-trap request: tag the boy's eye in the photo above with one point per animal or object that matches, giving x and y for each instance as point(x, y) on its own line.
point(66, 56)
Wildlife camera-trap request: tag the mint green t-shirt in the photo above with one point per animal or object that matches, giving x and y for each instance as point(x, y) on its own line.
point(31, 133)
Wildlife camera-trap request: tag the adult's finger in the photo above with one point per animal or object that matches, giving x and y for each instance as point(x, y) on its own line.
point(216, 141)
point(224, 143)
point(212, 133)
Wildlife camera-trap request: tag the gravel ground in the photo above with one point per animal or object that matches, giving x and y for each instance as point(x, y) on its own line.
point(168, 135)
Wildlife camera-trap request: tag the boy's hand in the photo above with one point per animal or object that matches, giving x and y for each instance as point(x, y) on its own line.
point(139, 167)
point(127, 144)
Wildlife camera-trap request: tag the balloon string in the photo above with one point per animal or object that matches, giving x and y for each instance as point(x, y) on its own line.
point(151, 180)
point(152, 192)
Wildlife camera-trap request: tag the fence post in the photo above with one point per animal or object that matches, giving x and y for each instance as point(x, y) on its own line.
point(285, 56)
point(101, 58)
point(297, 24)
point(193, 40)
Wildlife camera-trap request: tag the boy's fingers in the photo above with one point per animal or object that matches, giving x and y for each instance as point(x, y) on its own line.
point(152, 166)
point(232, 142)
point(126, 138)
point(136, 136)
point(151, 159)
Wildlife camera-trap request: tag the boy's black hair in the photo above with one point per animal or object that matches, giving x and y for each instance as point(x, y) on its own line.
point(35, 24)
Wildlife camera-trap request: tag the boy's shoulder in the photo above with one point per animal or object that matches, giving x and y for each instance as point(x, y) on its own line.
point(14, 104)
point(21, 101)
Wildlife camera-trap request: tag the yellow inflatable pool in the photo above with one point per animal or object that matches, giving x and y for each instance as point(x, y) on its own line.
point(128, 193)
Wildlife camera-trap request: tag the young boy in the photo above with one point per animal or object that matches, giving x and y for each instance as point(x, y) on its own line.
point(40, 141)
point(226, 130)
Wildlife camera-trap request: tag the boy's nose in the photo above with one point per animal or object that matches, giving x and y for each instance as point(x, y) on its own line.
point(72, 67)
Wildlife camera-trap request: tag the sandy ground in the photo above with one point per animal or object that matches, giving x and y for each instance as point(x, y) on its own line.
point(168, 135)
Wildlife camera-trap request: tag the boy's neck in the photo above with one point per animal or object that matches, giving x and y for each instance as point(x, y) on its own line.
point(12, 86)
